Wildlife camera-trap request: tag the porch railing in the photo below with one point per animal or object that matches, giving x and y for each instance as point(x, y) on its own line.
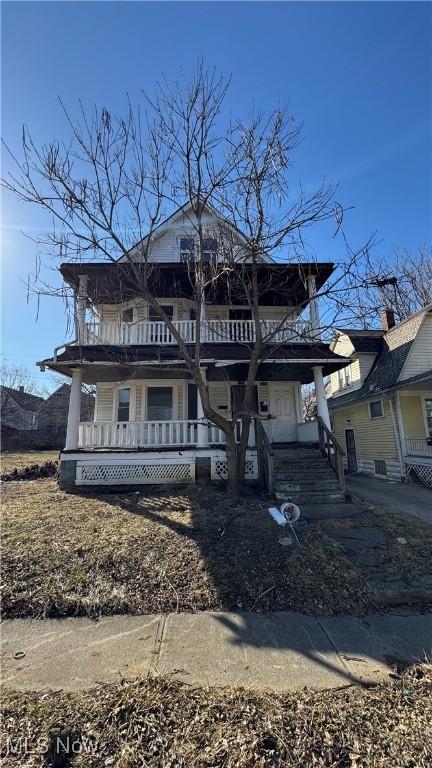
point(332, 450)
point(153, 434)
point(211, 331)
point(265, 457)
point(419, 446)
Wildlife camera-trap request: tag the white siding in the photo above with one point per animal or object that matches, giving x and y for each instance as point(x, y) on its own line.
point(419, 359)
point(219, 394)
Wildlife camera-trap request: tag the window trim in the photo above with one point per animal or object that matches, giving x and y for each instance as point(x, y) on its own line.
point(378, 400)
point(132, 402)
point(174, 405)
point(423, 403)
point(342, 377)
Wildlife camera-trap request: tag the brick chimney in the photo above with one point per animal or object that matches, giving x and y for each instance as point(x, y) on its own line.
point(20, 388)
point(387, 319)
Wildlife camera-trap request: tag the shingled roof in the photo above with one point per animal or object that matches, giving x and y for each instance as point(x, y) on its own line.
point(394, 346)
point(25, 400)
point(364, 341)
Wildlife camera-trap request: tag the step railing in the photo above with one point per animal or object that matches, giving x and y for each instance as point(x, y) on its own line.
point(332, 450)
point(265, 457)
point(211, 331)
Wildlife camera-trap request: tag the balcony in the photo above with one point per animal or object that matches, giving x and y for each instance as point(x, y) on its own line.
point(419, 446)
point(211, 331)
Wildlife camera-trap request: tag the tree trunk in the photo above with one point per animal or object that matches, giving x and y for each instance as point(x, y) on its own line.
point(232, 460)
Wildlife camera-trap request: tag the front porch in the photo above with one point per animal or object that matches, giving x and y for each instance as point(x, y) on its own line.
point(147, 435)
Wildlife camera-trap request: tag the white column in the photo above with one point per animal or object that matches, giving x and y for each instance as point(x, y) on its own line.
point(321, 400)
point(313, 307)
point(202, 428)
point(81, 307)
point(74, 412)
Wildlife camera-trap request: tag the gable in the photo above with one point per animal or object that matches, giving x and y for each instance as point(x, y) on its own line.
point(165, 241)
point(419, 358)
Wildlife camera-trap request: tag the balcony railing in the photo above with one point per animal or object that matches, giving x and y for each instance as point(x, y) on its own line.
point(153, 434)
point(211, 331)
point(418, 446)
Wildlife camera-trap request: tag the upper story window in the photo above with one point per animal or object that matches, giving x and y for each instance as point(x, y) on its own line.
point(123, 408)
point(154, 316)
point(376, 409)
point(189, 250)
point(127, 315)
point(345, 377)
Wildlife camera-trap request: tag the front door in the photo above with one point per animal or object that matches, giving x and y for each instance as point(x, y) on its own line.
point(351, 450)
point(282, 410)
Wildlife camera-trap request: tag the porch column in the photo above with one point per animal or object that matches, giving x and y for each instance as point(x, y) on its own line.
point(202, 428)
point(74, 412)
point(321, 400)
point(81, 307)
point(313, 307)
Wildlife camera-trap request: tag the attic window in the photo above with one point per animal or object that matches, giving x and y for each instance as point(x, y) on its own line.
point(344, 377)
point(376, 410)
point(187, 248)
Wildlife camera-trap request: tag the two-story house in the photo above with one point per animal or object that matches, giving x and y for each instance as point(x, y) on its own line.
point(381, 404)
point(149, 425)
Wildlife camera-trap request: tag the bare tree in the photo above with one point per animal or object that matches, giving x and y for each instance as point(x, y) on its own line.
point(110, 186)
point(401, 282)
point(16, 376)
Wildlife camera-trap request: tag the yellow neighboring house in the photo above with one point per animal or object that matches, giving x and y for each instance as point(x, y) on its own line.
point(381, 404)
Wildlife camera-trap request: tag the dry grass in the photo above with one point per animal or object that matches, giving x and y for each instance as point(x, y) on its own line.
point(200, 549)
point(11, 461)
point(163, 724)
point(189, 550)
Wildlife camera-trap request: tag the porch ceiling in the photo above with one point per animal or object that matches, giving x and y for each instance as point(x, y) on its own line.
point(290, 362)
point(280, 284)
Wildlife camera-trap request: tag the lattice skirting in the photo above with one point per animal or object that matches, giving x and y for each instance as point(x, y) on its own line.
point(219, 468)
point(129, 473)
point(423, 472)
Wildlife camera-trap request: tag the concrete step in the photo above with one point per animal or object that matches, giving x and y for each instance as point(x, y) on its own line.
point(287, 473)
point(306, 487)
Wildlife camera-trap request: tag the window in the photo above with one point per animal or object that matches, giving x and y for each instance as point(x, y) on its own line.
point(376, 410)
point(187, 248)
point(127, 315)
point(155, 316)
point(210, 249)
point(159, 403)
point(123, 408)
point(380, 467)
point(428, 414)
point(344, 377)
point(190, 252)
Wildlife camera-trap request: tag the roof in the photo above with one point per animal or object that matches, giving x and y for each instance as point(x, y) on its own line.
point(117, 356)
point(395, 345)
point(363, 340)
point(25, 400)
point(280, 284)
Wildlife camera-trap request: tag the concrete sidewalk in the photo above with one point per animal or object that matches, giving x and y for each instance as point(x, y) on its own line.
point(280, 651)
point(413, 500)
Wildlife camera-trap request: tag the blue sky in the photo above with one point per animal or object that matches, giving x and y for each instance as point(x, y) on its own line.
point(358, 75)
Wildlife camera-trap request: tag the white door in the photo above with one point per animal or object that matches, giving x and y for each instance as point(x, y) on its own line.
point(282, 409)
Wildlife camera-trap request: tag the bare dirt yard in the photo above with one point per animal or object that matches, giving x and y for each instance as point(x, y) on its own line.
point(161, 723)
point(190, 549)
